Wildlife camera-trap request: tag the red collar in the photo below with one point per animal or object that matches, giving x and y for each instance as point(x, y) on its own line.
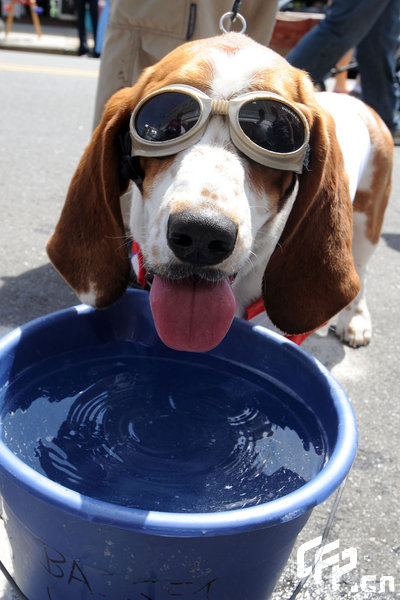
point(137, 264)
point(256, 308)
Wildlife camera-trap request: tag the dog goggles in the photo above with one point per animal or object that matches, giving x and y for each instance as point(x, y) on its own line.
point(264, 126)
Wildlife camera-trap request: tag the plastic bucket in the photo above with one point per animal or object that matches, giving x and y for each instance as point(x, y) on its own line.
point(66, 544)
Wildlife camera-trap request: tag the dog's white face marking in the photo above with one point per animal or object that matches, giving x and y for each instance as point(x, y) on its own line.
point(233, 73)
point(211, 178)
point(208, 180)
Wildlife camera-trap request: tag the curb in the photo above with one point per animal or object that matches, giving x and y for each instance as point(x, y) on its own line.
point(46, 43)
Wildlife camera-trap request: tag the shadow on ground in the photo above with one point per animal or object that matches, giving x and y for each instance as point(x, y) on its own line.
point(31, 295)
point(392, 240)
point(326, 346)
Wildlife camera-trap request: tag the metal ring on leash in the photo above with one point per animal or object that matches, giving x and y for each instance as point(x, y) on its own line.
point(230, 14)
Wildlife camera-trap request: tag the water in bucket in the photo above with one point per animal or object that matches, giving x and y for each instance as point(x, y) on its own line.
point(122, 426)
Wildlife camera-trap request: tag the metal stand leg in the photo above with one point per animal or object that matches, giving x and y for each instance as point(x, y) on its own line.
point(34, 15)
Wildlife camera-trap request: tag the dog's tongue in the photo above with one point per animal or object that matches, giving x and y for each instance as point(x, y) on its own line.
point(192, 315)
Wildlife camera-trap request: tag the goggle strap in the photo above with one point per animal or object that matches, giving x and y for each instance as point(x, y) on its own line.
point(129, 166)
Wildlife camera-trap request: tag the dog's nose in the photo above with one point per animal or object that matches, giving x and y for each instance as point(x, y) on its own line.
point(201, 241)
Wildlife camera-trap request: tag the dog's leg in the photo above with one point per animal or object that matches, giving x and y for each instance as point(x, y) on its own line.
point(354, 322)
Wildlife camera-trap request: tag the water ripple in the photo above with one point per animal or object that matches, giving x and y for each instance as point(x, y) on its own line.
point(140, 433)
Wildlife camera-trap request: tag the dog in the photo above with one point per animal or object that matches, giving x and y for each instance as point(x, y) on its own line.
point(250, 192)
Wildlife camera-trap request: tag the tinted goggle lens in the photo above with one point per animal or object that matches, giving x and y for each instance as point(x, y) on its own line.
point(272, 125)
point(268, 130)
point(167, 116)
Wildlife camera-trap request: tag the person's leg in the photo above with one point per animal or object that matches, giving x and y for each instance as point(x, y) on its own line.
point(376, 56)
point(80, 13)
point(94, 16)
point(345, 25)
point(341, 76)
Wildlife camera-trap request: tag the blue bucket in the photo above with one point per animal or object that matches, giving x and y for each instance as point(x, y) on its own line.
point(129, 470)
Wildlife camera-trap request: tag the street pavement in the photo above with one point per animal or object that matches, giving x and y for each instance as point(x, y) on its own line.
point(46, 117)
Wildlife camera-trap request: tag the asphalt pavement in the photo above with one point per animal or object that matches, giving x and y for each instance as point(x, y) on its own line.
point(46, 109)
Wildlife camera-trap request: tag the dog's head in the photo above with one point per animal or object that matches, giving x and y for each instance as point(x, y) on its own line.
point(243, 194)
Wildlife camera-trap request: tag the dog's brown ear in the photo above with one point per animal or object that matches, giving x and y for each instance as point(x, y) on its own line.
point(311, 276)
point(88, 245)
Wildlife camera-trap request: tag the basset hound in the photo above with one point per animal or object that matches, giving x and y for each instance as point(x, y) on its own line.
point(251, 192)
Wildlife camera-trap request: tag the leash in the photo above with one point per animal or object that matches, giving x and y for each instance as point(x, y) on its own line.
point(235, 9)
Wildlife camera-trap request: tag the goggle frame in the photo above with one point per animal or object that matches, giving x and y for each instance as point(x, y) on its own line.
point(286, 161)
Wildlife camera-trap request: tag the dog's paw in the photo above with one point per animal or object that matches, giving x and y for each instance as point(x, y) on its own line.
point(354, 325)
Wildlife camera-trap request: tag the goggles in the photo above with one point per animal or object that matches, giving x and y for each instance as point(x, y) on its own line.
point(264, 126)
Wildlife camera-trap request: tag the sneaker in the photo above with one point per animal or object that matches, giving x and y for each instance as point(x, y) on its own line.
point(396, 137)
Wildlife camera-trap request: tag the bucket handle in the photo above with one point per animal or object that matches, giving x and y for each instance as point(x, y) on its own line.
point(325, 534)
point(11, 581)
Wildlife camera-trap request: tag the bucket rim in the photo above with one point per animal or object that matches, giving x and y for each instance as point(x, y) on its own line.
point(204, 524)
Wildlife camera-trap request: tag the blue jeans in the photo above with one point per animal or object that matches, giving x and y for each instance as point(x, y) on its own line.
point(80, 7)
point(372, 27)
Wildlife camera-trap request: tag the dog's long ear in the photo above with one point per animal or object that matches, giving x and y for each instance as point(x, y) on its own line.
point(310, 276)
point(87, 247)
